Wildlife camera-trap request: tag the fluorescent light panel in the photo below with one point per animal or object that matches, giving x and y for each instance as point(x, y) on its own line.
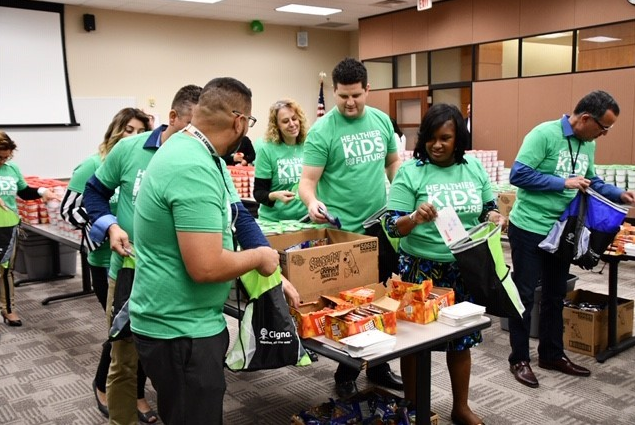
point(308, 10)
point(601, 39)
point(555, 35)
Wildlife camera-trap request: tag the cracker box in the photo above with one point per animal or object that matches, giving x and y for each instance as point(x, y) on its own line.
point(586, 332)
point(348, 260)
point(358, 296)
point(426, 311)
point(380, 314)
point(309, 317)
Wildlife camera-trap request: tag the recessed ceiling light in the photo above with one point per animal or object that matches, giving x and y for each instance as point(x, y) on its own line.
point(601, 39)
point(308, 10)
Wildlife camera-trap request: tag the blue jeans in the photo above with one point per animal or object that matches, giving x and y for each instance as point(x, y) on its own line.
point(531, 265)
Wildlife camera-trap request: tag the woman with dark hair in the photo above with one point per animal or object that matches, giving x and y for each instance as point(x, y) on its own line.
point(440, 175)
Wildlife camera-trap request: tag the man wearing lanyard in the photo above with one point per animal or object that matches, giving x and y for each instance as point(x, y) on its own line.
point(186, 260)
point(555, 160)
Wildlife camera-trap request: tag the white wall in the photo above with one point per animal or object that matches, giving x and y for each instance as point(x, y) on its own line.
point(141, 57)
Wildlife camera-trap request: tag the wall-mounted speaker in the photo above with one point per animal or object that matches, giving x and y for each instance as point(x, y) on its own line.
point(89, 22)
point(302, 39)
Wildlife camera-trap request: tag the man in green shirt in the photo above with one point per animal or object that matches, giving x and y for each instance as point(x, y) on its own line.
point(186, 259)
point(347, 155)
point(555, 160)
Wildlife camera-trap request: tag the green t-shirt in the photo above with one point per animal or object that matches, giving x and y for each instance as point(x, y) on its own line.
point(353, 154)
point(546, 150)
point(464, 187)
point(124, 168)
point(183, 190)
point(11, 181)
point(84, 171)
point(282, 164)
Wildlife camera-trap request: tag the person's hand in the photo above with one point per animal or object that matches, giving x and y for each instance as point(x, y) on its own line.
point(577, 182)
point(284, 196)
point(238, 157)
point(424, 213)
point(269, 260)
point(50, 195)
point(498, 219)
point(293, 297)
point(315, 214)
point(3, 205)
point(628, 197)
point(119, 241)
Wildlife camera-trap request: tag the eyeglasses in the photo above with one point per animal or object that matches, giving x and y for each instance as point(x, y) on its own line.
point(602, 126)
point(251, 121)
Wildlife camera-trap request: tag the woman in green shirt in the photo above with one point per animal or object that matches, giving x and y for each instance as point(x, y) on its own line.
point(440, 175)
point(279, 163)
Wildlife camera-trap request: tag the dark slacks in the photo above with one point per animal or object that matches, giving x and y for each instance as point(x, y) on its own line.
point(188, 375)
point(531, 265)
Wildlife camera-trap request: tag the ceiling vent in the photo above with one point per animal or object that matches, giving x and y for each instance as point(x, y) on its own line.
point(330, 24)
point(391, 4)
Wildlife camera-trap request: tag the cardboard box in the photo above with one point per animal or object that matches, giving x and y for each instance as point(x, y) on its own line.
point(310, 317)
point(586, 332)
point(349, 260)
point(337, 326)
point(505, 202)
point(358, 296)
point(425, 311)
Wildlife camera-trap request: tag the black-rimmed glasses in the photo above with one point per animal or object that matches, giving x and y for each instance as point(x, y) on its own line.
point(251, 121)
point(602, 126)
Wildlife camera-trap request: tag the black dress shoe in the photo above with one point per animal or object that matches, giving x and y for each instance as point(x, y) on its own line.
point(523, 374)
point(387, 379)
point(564, 365)
point(345, 389)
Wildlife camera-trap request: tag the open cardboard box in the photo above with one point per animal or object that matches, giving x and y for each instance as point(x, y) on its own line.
point(586, 332)
point(337, 326)
point(415, 306)
point(310, 317)
point(320, 273)
point(348, 260)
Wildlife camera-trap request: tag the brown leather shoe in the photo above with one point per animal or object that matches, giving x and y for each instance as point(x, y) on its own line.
point(523, 374)
point(564, 365)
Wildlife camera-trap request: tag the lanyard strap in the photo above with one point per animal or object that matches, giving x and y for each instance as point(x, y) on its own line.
point(573, 160)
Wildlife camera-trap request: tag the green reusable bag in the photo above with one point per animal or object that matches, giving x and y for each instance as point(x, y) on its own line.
point(485, 275)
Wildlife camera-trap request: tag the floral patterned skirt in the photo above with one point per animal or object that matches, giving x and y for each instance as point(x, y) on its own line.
point(416, 270)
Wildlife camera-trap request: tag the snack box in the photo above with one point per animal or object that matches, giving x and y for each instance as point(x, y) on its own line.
point(309, 317)
point(417, 291)
point(347, 261)
point(381, 314)
point(425, 311)
point(358, 296)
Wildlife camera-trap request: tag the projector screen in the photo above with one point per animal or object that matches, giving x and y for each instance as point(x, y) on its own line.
point(34, 89)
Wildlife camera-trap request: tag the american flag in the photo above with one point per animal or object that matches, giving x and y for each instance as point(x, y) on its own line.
point(321, 107)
